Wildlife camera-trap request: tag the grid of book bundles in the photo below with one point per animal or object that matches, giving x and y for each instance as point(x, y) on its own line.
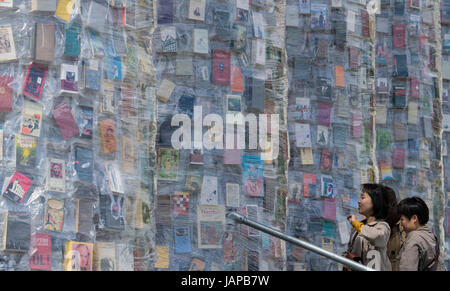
point(115, 128)
point(76, 104)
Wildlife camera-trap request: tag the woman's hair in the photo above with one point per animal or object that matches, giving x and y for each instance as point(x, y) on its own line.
point(384, 202)
point(414, 206)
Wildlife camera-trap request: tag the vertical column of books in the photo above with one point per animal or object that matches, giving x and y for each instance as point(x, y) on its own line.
point(218, 72)
point(77, 120)
point(329, 52)
point(445, 73)
point(406, 74)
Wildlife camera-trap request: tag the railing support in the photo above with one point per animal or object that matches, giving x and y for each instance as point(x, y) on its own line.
point(332, 256)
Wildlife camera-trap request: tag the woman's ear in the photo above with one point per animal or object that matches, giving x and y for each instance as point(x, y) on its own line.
point(414, 219)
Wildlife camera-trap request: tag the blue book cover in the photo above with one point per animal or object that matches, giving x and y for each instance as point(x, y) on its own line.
point(92, 74)
point(114, 68)
point(182, 239)
point(253, 176)
point(72, 40)
point(98, 50)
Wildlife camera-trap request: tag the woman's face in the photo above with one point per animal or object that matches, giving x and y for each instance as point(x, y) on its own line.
point(365, 205)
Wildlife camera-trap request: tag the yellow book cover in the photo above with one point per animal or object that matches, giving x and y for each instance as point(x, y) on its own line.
point(64, 9)
point(78, 256)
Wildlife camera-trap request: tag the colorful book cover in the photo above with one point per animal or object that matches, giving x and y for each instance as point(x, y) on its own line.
point(386, 170)
point(41, 252)
point(169, 39)
point(209, 193)
point(294, 192)
point(327, 186)
point(197, 265)
point(399, 95)
point(326, 161)
point(85, 120)
point(26, 151)
point(111, 212)
point(64, 9)
point(35, 81)
point(398, 158)
point(398, 32)
point(114, 68)
point(54, 215)
point(78, 256)
point(168, 160)
point(31, 118)
point(83, 163)
point(96, 44)
point(221, 67)
point(237, 82)
point(6, 93)
point(18, 187)
point(182, 239)
point(107, 132)
point(253, 176)
point(7, 46)
point(181, 203)
point(56, 175)
point(210, 226)
point(65, 121)
point(324, 113)
point(92, 74)
point(72, 39)
point(414, 89)
point(339, 74)
point(239, 37)
point(318, 16)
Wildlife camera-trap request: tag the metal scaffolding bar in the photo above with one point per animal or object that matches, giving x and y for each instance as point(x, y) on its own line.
point(332, 256)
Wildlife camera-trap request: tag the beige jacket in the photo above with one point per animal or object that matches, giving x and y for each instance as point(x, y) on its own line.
point(419, 251)
point(371, 245)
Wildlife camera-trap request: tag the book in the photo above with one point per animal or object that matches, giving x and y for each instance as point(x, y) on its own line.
point(69, 78)
point(210, 226)
point(143, 212)
point(16, 228)
point(54, 215)
point(92, 74)
point(83, 163)
point(200, 41)
point(414, 88)
point(324, 113)
point(34, 81)
point(114, 178)
point(197, 10)
point(167, 160)
point(163, 257)
point(165, 12)
point(107, 104)
point(31, 118)
point(65, 121)
point(26, 151)
point(232, 191)
point(398, 158)
point(124, 256)
point(242, 8)
point(322, 135)
point(84, 213)
point(6, 3)
point(43, 44)
point(72, 46)
point(252, 176)
point(44, 5)
point(96, 44)
point(18, 186)
point(64, 9)
point(119, 42)
point(97, 16)
point(56, 175)
point(398, 32)
point(302, 135)
point(78, 256)
point(339, 76)
point(107, 132)
point(259, 52)
point(111, 212)
point(399, 95)
point(114, 68)
point(85, 121)
point(131, 63)
point(327, 186)
point(221, 20)
point(168, 39)
point(40, 252)
point(1, 142)
point(400, 66)
point(7, 46)
point(318, 16)
point(221, 67)
point(326, 161)
point(238, 37)
point(209, 193)
point(181, 203)
point(105, 256)
point(128, 155)
point(165, 90)
point(304, 7)
point(6, 94)
point(182, 240)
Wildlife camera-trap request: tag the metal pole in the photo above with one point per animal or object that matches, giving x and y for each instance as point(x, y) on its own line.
point(352, 264)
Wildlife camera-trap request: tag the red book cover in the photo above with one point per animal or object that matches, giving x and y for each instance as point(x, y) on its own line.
point(398, 158)
point(414, 90)
point(41, 252)
point(237, 84)
point(35, 81)
point(221, 67)
point(65, 121)
point(6, 94)
point(107, 133)
point(18, 187)
point(399, 31)
point(365, 23)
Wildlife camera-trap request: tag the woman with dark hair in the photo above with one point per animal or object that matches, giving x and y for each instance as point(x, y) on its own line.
point(369, 238)
point(398, 235)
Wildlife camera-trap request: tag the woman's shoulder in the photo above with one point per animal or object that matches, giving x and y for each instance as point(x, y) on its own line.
point(379, 223)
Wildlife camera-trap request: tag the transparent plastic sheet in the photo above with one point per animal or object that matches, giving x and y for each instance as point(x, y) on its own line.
point(77, 186)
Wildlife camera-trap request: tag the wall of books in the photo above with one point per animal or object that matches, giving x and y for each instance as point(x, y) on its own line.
point(129, 129)
point(76, 101)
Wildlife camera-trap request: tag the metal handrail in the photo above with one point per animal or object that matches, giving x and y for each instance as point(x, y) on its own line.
point(340, 259)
